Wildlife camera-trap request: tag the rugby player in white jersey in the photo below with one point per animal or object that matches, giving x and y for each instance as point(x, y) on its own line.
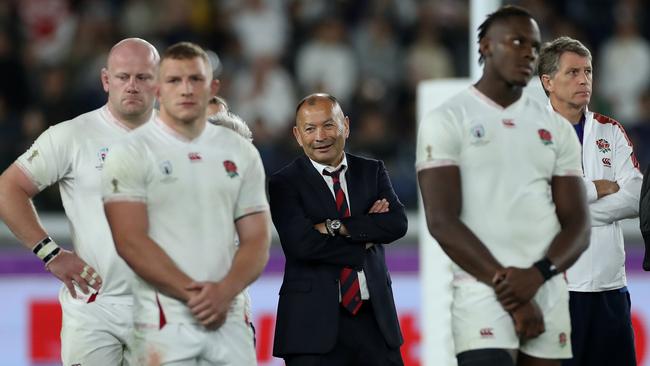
point(96, 325)
point(175, 194)
point(500, 178)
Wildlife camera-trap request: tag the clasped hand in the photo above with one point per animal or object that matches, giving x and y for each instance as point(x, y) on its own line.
point(209, 302)
point(516, 286)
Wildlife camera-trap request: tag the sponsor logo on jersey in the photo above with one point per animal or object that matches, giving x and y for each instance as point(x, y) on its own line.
point(231, 168)
point(487, 333)
point(194, 157)
point(603, 145)
point(607, 162)
point(101, 156)
point(562, 339)
point(510, 123)
point(545, 136)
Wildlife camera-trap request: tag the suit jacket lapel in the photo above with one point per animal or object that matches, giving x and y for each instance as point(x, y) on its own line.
point(353, 179)
point(317, 183)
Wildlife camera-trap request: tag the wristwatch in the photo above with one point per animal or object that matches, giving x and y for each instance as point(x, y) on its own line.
point(333, 226)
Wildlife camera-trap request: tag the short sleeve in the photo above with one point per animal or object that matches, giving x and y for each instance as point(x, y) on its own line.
point(439, 141)
point(252, 194)
point(569, 151)
point(49, 159)
point(124, 175)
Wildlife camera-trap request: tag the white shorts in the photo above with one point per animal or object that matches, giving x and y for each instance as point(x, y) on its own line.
point(479, 321)
point(189, 344)
point(96, 333)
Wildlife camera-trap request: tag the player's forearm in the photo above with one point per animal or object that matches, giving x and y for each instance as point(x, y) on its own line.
point(247, 266)
point(568, 245)
point(573, 214)
point(142, 253)
point(17, 210)
point(252, 254)
point(464, 248)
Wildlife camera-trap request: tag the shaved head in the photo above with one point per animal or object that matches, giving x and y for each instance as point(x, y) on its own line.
point(133, 47)
point(129, 79)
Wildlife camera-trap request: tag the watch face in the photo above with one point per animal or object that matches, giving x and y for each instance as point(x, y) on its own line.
point(336, 224)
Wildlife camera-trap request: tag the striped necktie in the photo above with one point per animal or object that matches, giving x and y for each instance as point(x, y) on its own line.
point(349, 279)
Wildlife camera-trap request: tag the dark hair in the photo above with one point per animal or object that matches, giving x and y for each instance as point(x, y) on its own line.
point(504, 12)
point(185, 51)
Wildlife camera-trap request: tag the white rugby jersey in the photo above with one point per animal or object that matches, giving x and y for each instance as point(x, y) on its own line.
point(606, 154)
point(194, 191)
point(72, 153)
point(507, 158)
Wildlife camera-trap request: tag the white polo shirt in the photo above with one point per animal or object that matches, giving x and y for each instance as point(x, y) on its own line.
point(507, 158)
point(194, 191)
point(72, 153)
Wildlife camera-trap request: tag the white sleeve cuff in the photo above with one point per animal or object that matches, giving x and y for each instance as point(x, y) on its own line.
point(590, 187)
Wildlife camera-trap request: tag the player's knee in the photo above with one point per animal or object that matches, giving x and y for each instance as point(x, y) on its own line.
point(485, 357)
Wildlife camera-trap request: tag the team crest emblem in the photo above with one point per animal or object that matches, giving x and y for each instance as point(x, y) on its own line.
point(101, 157)
point(545, 136)
point(231, 168)
point(607, 162)
point(603, 145)
point(562, 339)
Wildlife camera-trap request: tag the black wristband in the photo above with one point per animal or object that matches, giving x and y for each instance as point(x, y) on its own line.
point(546, 268)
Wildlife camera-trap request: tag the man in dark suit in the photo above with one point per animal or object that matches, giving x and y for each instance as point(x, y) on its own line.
point(333, 212)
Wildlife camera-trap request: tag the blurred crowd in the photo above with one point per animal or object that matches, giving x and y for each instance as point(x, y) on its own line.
point(370, 54)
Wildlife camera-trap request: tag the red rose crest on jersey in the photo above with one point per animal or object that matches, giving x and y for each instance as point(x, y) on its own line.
point(603, 145)
point(545, 136)
point(231, 168)
point(194, 157)
point(607, 162)
point(562, 339)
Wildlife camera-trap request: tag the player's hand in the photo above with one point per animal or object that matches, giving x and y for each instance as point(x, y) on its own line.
point(605, 187)
point(210, 304)
point(516, 286)
point(70, 269)
point(529, 321)
point(380, 206)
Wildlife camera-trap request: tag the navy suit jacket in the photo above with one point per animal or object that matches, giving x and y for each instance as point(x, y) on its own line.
point(308, 307)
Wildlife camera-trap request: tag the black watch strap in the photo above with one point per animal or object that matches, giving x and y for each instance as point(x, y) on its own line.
point(546, 268)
